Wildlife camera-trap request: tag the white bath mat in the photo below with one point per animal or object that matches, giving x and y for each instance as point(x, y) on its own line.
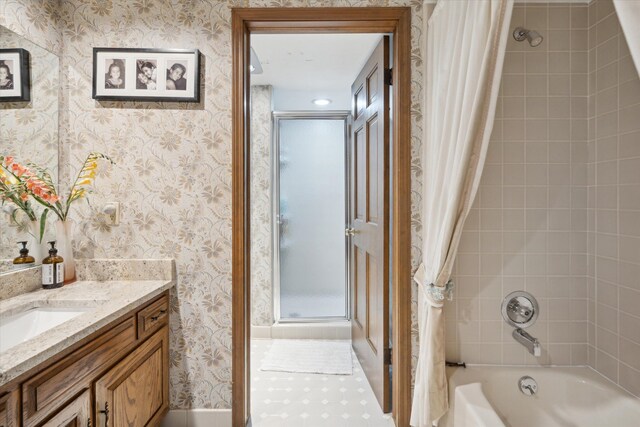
point(310, 356)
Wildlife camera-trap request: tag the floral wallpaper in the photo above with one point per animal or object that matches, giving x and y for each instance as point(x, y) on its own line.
point(261, 250)
point(37, 21)
point(33, 124)
point(173, 171)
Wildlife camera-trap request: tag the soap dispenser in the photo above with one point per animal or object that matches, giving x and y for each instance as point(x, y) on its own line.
point(52, 269)
point(24, 257)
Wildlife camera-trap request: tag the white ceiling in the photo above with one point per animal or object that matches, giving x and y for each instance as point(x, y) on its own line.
point(311, 62)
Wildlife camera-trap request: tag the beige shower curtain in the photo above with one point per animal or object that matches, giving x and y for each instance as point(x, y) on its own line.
point(629, 15)
point(466, 41)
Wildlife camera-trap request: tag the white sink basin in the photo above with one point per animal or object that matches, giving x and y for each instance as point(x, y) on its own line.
point(32, 322)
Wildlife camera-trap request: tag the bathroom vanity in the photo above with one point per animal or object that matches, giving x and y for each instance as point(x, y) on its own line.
point(106, 365)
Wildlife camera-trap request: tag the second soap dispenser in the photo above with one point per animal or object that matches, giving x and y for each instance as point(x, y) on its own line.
point(24, 259)
point(52, 269)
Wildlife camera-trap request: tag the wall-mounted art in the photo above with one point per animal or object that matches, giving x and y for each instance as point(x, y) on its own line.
point(15, 83)
point(146, 74)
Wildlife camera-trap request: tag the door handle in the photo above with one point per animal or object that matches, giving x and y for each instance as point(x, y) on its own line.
point(350, 232)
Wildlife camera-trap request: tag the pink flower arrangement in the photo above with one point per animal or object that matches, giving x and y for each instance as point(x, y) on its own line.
point(12, 189)
point(20, 182)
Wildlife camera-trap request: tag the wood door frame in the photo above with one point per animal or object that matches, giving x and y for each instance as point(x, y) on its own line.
point(395, 20)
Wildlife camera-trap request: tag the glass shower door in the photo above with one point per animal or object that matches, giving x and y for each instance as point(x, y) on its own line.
point(310, 217)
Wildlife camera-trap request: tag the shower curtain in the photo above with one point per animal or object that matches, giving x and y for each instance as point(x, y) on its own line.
point(466, 41)
point(629, 15)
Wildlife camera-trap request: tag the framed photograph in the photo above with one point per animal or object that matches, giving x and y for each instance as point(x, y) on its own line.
point(15, 82)
point(146, 74)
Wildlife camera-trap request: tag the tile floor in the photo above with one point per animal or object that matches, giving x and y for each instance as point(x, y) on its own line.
point(286, 399)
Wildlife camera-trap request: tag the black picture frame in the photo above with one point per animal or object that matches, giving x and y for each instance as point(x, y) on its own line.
point(16, 65)
point(126, 74)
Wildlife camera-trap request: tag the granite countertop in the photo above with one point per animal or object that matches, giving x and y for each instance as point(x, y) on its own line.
point(107, 300)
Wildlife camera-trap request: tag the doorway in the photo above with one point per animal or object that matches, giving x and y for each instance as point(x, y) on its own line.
point(324, 20)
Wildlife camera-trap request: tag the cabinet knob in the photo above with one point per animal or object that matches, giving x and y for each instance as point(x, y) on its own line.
point(106, 414)
point(157, 316)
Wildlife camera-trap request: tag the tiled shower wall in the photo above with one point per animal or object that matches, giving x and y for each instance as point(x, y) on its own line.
point(614, 201)
point(528, 227)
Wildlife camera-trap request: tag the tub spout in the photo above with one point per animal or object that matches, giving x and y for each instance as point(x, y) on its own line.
point(532, 344)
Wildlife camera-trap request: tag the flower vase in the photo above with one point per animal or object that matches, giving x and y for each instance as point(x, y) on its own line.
point(37, 249)
point(64, 236)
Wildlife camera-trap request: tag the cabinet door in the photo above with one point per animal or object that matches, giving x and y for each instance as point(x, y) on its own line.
point(9, 412)
point(75, 414)
point(135, 392)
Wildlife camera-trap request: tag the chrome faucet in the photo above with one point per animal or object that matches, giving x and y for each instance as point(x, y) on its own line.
point(532, 344)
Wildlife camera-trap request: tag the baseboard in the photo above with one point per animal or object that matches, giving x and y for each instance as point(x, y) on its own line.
point(260, 332)
point(321, 330)
point(197, 418)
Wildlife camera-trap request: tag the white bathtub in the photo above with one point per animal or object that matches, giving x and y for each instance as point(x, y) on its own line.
point(566, 397)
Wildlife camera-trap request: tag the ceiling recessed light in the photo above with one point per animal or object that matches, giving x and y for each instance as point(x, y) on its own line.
point(321, 101)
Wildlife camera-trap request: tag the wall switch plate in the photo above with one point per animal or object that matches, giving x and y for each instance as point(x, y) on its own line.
point(111, 212)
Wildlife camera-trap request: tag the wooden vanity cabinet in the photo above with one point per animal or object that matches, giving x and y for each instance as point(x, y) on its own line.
point(135, 392)
point(117, 377)
point(10, 408)
point(74, 373)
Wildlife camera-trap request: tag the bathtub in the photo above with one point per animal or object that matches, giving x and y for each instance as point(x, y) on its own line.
point(488, 396)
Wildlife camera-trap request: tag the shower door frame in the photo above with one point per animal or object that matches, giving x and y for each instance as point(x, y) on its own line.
point(277, 116)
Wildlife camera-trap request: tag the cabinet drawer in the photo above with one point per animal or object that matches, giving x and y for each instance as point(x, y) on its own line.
point(75, 414)
point(9, 412)
point(42, 393)
point(153, 316)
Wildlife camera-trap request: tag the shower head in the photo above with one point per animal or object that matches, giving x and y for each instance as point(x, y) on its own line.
point(533, 37)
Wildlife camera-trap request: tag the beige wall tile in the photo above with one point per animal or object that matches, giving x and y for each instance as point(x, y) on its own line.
point(559, 62)
point(607, 76)
point(559, 129)
point(629, 223)
point(514, 62)
point(579, 17)
point(607, 28)
point(629, 274)
point(630, 170)
point(579, 84)
point(513, 84)
point(579, 62)
point(607, 341)
point(630, 301)
point(606, 317)
point(629, 93)
point(559, 84)
point(579, 354)
point(579, 39)
point(604, 8)
point(607, 365)
point(537, 61)
point(627, 69)
point(630, 327)
point(630, 379)
point(559, 17)
point(607, 52)
point(628, 119)
point(630, 353)
point(559, 40)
